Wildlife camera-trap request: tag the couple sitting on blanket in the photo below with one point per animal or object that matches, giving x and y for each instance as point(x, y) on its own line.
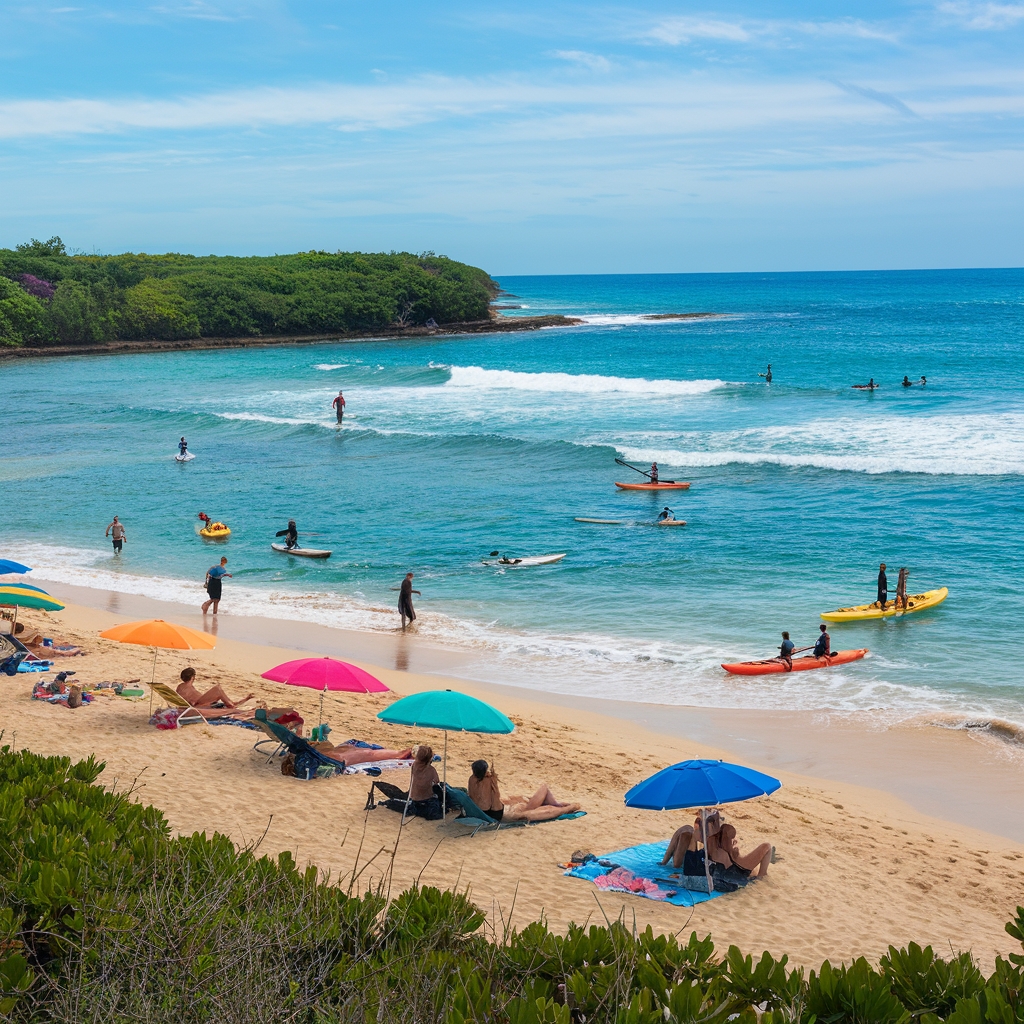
point(720, 844)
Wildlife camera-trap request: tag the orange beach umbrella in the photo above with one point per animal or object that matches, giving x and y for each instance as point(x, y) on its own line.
point(156, 633)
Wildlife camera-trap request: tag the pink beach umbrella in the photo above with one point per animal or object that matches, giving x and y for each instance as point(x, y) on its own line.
point(325, 674)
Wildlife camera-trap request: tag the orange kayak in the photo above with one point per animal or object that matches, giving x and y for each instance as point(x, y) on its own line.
point(667, 485)
point(770, 666)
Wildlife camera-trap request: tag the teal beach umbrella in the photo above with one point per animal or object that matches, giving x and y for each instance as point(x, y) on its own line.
point(449, 711)
point(24, 596)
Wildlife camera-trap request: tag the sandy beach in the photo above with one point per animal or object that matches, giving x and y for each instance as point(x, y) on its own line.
point(860, 864)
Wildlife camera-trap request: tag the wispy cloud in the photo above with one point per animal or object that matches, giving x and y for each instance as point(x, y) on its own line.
point(985, 17)
point(594, 61)
point(684, 30)
point(197, 10)
point(886, 99)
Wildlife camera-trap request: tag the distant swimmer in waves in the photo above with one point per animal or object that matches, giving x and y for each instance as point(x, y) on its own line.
point(786, 652)
point(823, 645)
point(654, 473)
point(907, 382)
point(183, 447)
point(883, 587)
point(924, 380)
point(339, 405)
point(291, 535)
point(767, 374)
point(667, 515)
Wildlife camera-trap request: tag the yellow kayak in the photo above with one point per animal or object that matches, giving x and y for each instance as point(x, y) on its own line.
point(915, 603)
point(215, 531)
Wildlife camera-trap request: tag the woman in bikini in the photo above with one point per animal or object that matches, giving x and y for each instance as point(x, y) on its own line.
point(542, 806)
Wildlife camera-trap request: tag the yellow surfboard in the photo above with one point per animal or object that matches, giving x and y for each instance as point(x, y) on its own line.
point(915, 603)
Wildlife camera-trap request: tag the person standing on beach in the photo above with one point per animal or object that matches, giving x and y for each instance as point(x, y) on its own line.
point(214, 584)
point(339, 404)
point(116, 532)
point(405, 608)
point(883, 587)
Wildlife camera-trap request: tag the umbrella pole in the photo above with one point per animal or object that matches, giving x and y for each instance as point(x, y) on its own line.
point(151, 684)
point(321, 722)
point(444, 771)
point(707, 856)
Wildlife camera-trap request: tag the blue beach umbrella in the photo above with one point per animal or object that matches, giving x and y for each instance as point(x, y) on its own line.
point(7, 566)
point(449, 711)
point(700, 783)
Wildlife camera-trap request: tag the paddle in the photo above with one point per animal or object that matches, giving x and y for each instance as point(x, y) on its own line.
point(642, 472)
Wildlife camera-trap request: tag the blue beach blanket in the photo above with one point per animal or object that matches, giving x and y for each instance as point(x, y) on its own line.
point(644, 862)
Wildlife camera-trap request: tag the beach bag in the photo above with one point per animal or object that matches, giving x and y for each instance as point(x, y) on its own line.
point(306, 765)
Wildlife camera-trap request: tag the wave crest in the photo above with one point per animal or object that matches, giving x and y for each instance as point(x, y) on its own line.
point(574, 383)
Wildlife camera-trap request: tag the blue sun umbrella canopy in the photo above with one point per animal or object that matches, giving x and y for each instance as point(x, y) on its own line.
point(448, 710)
point(700, 783)
point(7, 566)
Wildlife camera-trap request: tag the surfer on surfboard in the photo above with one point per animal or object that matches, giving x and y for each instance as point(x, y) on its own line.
point(291, 535)
point(666, 514)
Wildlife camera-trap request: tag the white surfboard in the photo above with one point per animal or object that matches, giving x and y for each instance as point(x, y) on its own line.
point(301, 552)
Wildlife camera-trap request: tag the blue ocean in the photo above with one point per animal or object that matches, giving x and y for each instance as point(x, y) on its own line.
point(456, 446)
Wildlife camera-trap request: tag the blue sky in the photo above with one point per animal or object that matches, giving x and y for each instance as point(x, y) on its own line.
point(528, 138)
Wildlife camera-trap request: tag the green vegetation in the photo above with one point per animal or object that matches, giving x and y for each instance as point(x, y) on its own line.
point(48, 297)
point(105, 918)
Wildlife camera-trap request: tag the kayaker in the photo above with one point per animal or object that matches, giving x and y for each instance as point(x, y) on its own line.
point(666, 514)
point(883, 587)
point(339, 405)
point(823, 645)
point(654, 473)
point(907, 382)
point(767, 374)
point(291, 535)
point(786, 652)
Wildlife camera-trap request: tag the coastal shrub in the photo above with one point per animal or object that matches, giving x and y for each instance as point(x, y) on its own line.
point(104, 916)
point(23, 319)
point(135, 296)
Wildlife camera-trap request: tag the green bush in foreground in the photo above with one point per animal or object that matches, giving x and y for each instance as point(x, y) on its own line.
point(48, 297)
point(104, 917)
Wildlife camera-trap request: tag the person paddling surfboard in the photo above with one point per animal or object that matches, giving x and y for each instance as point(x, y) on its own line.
point(291, 535)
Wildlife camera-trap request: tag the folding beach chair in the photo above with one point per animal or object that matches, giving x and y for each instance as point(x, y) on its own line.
point(190, 713)
point(307, 758)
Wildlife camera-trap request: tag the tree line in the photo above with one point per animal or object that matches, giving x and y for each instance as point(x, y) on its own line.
point(50, 297)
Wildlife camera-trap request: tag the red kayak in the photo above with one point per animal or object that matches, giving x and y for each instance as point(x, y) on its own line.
point(772, 665)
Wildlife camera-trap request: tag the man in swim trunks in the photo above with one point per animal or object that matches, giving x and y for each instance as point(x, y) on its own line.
point(883, 587)
point(214, 584)
point(786, 652)
point(339, 405)
point(823, 645)
point(116, 531)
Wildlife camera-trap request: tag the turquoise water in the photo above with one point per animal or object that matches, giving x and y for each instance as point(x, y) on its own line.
point(456, 446)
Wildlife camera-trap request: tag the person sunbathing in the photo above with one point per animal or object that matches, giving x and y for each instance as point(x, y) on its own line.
point(723, 848)
point(484, 792)
point(215, 695)
point(683, 841)
point(351, 754)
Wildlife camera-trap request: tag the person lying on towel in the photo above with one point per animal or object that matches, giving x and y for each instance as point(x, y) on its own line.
point(542, 806)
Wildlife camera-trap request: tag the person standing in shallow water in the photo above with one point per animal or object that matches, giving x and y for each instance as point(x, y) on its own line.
point(214, 584)
point(405, 608)
point(339, 405)
point(883, 587)
point(116, 532)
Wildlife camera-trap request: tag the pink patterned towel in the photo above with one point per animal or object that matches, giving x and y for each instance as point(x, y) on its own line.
point(622, 880)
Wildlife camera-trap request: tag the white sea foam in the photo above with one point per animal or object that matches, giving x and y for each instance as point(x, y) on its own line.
point(637, 669)
point(570, 383)
point(968, 445)
point(638, 319)
point(330, 366)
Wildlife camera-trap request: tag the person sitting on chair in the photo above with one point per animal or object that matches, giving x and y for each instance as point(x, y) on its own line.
point(542, 806)
point(215, 695)
point(424, 800)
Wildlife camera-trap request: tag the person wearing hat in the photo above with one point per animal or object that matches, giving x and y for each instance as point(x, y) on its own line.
point(883, 587)
point(823, 645)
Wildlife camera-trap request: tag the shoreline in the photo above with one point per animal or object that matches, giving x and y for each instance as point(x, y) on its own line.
point(912, 761)
point(857, 868)
point(495, 325)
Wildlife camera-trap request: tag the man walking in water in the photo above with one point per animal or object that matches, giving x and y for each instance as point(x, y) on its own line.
point(339, 404)
point(214, 584)
point(767, 374)
point(883, 587)
point(405, 608)
point(116, 531)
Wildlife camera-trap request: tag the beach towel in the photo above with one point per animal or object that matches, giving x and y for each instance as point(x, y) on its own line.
point(376, 767)
point(638, 870)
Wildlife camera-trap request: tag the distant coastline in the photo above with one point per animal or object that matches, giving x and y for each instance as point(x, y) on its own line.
point(495, 325)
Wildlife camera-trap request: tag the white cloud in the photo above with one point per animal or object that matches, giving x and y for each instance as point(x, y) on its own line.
point(851, 27)
point(985, 17)
point(594, 61)
point(682, 30)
